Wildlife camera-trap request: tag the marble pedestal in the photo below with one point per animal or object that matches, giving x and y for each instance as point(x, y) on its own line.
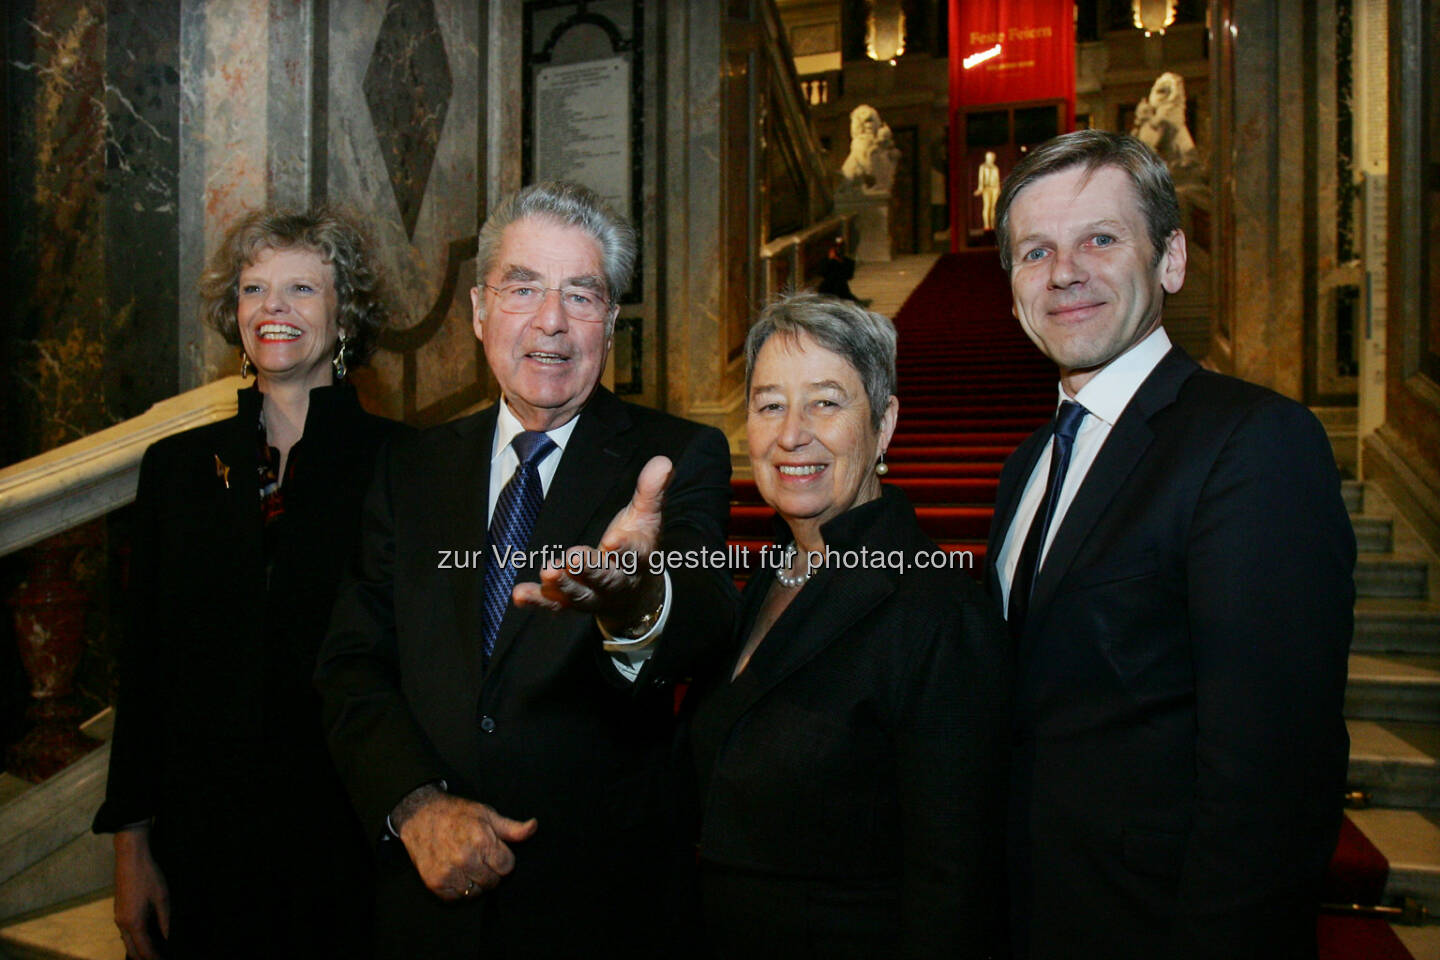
point(872, 225)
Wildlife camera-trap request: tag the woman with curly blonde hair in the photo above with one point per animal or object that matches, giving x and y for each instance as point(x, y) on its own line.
point(233, 836)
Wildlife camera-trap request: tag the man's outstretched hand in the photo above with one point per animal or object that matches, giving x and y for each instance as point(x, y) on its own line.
point(594, 579)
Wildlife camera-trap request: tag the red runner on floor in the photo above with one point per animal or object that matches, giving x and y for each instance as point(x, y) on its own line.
point(1357, 874)
point(1358, 938)
point(972, 387)
point(1358, 870)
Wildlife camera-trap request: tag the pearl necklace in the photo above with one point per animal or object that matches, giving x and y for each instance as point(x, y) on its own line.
point(792, 580)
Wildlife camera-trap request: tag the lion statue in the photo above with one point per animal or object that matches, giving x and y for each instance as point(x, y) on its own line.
point(870, 167)
point(1160, 121)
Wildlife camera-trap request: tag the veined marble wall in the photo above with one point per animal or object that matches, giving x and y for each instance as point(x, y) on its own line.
point(135, 134)
point(134, 138)
point(374, 108)
point(405, 101)
point(152, 131)
point(89, 179)
point(87, 339)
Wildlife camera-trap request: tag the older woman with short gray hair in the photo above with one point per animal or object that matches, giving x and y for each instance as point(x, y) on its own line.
point(848, 757)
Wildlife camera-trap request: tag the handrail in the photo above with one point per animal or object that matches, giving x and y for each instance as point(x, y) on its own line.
point(782, 260)
point(89, 477)
point(835, 224)
point(797, 109)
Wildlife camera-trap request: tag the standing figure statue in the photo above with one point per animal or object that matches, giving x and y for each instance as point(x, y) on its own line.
point(988, 190)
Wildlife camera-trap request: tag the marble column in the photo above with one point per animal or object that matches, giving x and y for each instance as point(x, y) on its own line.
point(709, 203)
point(1259, 166)
point(224, 82)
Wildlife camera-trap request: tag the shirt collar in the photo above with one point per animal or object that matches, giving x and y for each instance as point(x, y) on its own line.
point(1109, 391)
point(507, 425)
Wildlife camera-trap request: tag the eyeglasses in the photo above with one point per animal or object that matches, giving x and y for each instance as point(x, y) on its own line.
point(525, 298)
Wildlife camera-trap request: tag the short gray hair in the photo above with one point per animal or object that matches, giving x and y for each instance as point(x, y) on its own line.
point(1094, 149)
point(864, 339)
point(572, 205)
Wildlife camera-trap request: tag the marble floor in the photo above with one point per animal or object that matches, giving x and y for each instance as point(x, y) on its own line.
point(83, 930)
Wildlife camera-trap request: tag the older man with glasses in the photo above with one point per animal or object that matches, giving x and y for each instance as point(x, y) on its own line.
point(497, 697)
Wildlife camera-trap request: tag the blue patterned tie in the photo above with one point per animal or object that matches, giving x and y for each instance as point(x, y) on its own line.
point(515, 513)
point(1067, 425)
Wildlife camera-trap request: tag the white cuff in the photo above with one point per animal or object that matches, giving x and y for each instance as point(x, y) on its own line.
point(630, 655)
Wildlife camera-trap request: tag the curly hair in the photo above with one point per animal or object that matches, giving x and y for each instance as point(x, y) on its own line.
point(334, 238)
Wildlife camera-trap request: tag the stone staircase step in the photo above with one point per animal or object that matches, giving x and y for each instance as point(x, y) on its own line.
point(80, 930)
point(1353, 493)
point(1396, 762)
point(1392, 575)
point(101, 726)
point(1396, 626)
point(1410, 840)
point(1374, 534)
point(11, 787)
point(1342, 426)
point(1393, 687)
point(47, 853)
point(1422, 940)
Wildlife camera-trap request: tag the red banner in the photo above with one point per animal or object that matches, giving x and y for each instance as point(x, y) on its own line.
point(1017, 50)
point(1003, 52)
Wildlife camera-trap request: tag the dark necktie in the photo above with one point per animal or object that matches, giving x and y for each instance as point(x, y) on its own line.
point(1067, 424)
point(515, 513)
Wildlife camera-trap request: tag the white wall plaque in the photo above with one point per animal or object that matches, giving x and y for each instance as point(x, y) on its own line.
point(582, 127)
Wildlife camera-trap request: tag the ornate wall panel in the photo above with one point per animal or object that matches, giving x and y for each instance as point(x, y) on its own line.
point(404, 106)
point(372, 107)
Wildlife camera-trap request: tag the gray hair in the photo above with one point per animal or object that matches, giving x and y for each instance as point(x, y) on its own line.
point(572, 205)
point(1094, 149)
point(865, 340)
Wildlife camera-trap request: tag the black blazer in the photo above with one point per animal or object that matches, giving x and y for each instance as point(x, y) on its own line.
point(217, 730)
point(1181, 751)
point(550, 730)
point(851, 779)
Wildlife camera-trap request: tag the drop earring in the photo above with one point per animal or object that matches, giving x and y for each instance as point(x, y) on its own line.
point(339, 362)
point(881, 467)
point(246, 370)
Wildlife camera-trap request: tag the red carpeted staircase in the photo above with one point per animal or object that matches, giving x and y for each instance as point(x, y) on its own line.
point(1356, 876)
point(972, 387)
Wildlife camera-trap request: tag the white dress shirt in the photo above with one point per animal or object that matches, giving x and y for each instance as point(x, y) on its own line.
point(628, 655)
point(1104, 398)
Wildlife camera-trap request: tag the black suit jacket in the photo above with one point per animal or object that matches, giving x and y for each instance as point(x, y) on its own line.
point(851, 779)
point(1180, 745)
point(217, 730)
point(550, 730)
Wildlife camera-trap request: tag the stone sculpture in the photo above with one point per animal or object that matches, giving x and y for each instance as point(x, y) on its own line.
point(1160, 121)
point(870, 167)
point(988, 190)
